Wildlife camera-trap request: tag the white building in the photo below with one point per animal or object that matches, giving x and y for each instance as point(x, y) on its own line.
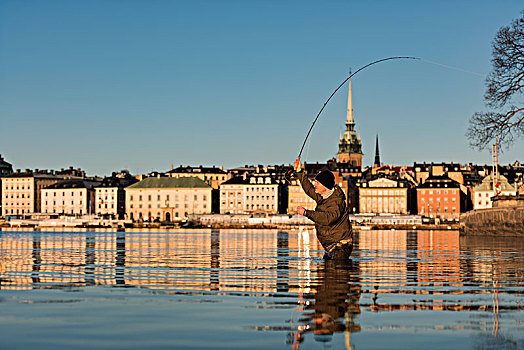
point(249, 194)
point(69, 197)
point(483, 193)
point(167, 198)
point(21, 191)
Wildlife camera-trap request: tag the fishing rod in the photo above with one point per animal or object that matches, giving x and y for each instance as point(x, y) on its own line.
point(349, 77)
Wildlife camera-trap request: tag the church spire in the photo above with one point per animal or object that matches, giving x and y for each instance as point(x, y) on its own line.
point(377, 155)
point(349, 118)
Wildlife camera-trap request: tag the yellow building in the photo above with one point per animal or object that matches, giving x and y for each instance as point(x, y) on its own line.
point(167, 198)
point(297, 197)
point(69, 197)
point(21, 191)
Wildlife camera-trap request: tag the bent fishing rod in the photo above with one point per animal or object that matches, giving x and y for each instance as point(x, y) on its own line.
point(349, 77)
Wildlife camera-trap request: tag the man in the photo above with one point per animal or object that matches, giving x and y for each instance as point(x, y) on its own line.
point(331, 216)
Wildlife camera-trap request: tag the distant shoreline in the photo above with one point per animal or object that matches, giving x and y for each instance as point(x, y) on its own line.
point(160, 228)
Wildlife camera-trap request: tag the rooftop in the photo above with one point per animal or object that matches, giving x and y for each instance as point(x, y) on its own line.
point(170, 182)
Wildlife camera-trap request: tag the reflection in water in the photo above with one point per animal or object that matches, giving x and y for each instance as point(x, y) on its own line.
point(423, 274)
point(335, 306)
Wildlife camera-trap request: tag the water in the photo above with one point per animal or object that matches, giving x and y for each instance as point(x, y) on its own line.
point(233, 289)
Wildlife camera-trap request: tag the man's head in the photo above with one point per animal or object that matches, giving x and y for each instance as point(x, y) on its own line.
point(324, 182)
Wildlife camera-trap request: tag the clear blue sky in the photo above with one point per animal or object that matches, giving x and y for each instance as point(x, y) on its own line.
point(138, 85)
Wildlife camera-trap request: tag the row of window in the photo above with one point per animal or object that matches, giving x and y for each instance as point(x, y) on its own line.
point(386, 210)
point(261, 197)
point(249, 206)
point(423, 200)
point(383, 192)
point(438, 191)
point(64, 203)
point(391, 200)
point(204, 205)
point(105, 206)
point(18, 188)
point(22, 195)
point(158, 198)
point(431, 210)
point(72, 193)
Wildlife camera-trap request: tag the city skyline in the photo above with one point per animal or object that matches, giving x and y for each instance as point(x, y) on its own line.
point(106, 86)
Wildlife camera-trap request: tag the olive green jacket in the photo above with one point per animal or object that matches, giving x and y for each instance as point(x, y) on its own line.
point(331, 216)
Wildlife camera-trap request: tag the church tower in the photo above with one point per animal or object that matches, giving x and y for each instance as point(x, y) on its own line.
point(350, 147)
point(377, 155)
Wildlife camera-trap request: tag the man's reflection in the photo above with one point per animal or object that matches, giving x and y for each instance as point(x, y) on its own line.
point(335, 305)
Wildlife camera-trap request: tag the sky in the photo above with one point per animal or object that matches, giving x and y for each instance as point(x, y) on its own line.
point(140, 85)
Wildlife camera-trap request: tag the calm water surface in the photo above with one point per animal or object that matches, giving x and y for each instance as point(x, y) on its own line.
point(234, 289)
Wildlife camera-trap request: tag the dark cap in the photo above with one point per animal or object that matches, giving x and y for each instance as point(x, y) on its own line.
point(326, 178)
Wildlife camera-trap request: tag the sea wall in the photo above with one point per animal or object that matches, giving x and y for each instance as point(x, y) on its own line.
point(507, 221)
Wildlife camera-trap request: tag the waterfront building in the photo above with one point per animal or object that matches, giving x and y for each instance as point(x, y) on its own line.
point(74, 197)
point(350, 146)
point(250, 194)
point(167, 198)
point(484, 192)
point(110, 195)
point(440, 197)
point(384, 195)
point(21, 191)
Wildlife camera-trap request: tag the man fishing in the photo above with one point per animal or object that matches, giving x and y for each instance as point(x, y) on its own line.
point(331, 216)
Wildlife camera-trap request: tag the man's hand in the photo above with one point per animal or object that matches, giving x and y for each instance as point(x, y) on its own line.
point(296, 165)
point(301, 210)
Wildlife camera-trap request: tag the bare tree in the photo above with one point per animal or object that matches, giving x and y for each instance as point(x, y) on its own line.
point(505, 84)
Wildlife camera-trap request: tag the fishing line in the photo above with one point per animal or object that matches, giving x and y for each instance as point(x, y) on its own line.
point(452, 67)
point(341, 84)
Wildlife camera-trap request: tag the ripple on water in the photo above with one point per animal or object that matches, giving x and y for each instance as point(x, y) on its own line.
point(427, 288)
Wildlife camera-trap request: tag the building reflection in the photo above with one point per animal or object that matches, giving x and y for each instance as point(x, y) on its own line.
point(226, 262)
point(262, 262)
